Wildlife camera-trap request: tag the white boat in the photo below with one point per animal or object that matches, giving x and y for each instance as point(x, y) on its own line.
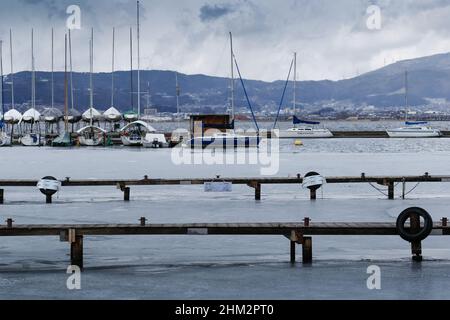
point(155, 140)
point(307, 130)
point(304, 132)
point(91, 136)
point(412, 130)
point(32, 140)
point(179, 136)
point(133, 134)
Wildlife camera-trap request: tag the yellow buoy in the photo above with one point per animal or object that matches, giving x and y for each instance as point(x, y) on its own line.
point(298, 143)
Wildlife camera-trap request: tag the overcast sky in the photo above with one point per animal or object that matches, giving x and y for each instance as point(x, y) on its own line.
point(191, 36)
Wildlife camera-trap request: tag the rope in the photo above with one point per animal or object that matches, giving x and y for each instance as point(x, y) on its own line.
point(246, 95)
point(414, 188)
point(282, 97)
point(378, 189)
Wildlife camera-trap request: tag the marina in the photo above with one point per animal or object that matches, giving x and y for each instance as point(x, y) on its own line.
point(235, 150)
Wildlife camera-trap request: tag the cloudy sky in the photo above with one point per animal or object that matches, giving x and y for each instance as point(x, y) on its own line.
point(331, 37)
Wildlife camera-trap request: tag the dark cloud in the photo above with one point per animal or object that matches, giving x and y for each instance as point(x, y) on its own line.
point(214, 12)
point(331, 37)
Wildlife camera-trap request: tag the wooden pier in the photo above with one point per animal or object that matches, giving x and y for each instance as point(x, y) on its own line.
point(296, 233)
point(256, 183)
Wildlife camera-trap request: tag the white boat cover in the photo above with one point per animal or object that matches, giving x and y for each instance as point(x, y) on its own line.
point(31, 115)
point(112, 113)
point(140, 123)
point(13, 114)
point(89, 127)
point(94, 113)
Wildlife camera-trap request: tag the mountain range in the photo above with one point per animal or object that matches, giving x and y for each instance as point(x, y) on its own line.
point(428, 79)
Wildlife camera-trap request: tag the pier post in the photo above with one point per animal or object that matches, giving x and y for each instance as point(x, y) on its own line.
point(391, 192)
point(416, 246)
point(313, 194)
point(48, 198)
point(307, 250)
point(258, 191)
point(76, 252)
point(126, 194)
point(293, 252)
point(2, 193)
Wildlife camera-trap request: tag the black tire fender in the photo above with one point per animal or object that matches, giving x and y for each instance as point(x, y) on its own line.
point(424, 232)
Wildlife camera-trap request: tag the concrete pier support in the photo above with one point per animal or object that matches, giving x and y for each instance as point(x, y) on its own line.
point(2, 194)
point(307, 250)
point(76, 252)
point(48, 198)
point(126, 194)
point(391, 190)
point(293, 252)
point(416, 246)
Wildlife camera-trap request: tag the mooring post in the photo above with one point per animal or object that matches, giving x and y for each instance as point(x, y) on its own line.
point(126, 194)
point(391, 192)
point(293, 252)
point(2, 193)
point(48, 198)
point(416, 246)
point(307, 250)
point(313, 194)
point(258, 191)
point(76, 252)
point(444, 222)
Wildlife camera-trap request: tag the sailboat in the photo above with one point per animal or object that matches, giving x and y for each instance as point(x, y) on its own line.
point(180, 134)
point(131, 115)
point(32, 116)
point(307, 129)
point(65, 139)
point(112, 115)
point(413, 129)
point(72, 116)
point(5, 140)
point(12, 117)
point(52, 115)
point(229, 139)
point(91, 135)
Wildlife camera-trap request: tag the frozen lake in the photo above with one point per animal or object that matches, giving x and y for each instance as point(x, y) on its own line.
point(215, 267)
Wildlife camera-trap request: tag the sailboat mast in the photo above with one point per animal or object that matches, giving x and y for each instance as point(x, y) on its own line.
point(91, 45)
point(406, 96)
point(66, 102)
point(178, 95)
point(113, 67)
point(131, 69)
point(12, 69)
point(139, 59)
point(33, 75)
point(71, 71)
point(232, 77)
point(295, 82)
point(1, 83)
point(53, 69)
